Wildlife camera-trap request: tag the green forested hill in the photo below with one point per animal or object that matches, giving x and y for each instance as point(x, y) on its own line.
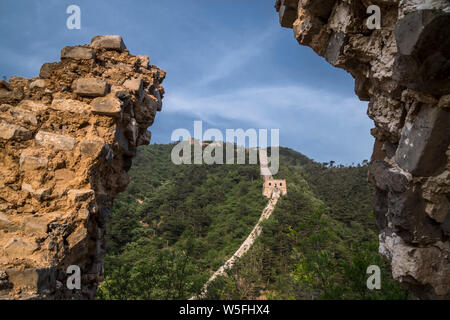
point(175, 225)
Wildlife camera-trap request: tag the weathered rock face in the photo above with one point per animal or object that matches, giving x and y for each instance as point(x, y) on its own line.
point(403, 70)
point(66, 142)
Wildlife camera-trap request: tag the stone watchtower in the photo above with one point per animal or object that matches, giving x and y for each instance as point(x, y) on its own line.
point(271, 184)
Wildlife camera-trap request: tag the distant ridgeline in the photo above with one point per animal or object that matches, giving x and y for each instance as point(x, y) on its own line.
point(176, 224)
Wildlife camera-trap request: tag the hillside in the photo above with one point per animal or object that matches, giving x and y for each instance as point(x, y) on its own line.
point(175, 225)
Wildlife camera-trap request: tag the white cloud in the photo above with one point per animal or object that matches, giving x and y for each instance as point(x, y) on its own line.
point(268, 106)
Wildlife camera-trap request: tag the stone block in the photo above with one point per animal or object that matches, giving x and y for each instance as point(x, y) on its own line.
point(423, 42)
point(122, 142)
point(407, 216)
point(310, 31)
point(32, 163)
point(56, 141)
point(335, 47)
point(387, 178)
point(47, 70)
point(120, 92)
point(287, 16)
point(290, 3)
point(5, 285)
point(131, 131)
point(33, 279)
point(6, 224)
point(437, 207)
point(23, 116)
point(318, 8)
point(39, 83)
point(77, 237)
point(421, 268)
point(158, 98)
point(136, 86)
point(144, 61)
point(75, 195)
point(444, 102)
point(14, 132)
point(91, 87)
point(19, 249)
point(27, 187)
point(446, 224)
point(423, 144)
point(91, 148)
point(69, 105)
point(10, 96)
point(107, 153)
point(39, 194)
point(63, 179)
point(107, 106)
point(77, 53)
point(35, 225)
point(109, 42)
point(408, 31)
point(145, 111)
point(5, 85)
point(362, 85)
point(380, 207)
point(34, 106)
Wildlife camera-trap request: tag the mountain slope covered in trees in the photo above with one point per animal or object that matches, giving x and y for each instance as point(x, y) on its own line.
point(175, 225)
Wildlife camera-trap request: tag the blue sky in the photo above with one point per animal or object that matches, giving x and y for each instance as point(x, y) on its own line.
point(229, 63)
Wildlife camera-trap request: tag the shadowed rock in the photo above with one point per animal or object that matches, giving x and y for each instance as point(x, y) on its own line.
point(108, 42)
point(78, 53)
point(403, 69)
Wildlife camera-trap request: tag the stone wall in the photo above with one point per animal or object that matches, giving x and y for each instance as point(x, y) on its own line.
point(67, 139)
point(403, 70)
point(270, 185)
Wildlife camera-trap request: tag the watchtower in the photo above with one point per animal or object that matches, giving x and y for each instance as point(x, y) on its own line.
point(271, 184)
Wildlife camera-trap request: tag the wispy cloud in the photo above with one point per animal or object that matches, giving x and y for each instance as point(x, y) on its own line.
point(267, 105)
point(225, 57)
point(318, 123)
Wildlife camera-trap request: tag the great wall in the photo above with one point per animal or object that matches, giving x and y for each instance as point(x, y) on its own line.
point(271, 190)
point(67, 139)
point(403, 70)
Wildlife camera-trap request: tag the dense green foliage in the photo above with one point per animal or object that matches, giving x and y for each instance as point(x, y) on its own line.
point(175, 225)
point(197, 214)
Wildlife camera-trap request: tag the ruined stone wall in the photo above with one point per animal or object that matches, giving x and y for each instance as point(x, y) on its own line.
point(67, 139)
point(403, 70)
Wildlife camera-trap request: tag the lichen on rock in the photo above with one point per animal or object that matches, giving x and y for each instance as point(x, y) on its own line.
point(403, 70)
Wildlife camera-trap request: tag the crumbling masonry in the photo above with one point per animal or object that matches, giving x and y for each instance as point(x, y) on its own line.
point(403, 70)
point(67, 139)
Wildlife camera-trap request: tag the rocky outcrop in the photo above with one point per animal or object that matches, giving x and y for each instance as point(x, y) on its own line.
point(403, 70)
point(67, 139)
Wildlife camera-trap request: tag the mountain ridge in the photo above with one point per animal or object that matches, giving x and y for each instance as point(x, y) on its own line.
point(197, 216)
